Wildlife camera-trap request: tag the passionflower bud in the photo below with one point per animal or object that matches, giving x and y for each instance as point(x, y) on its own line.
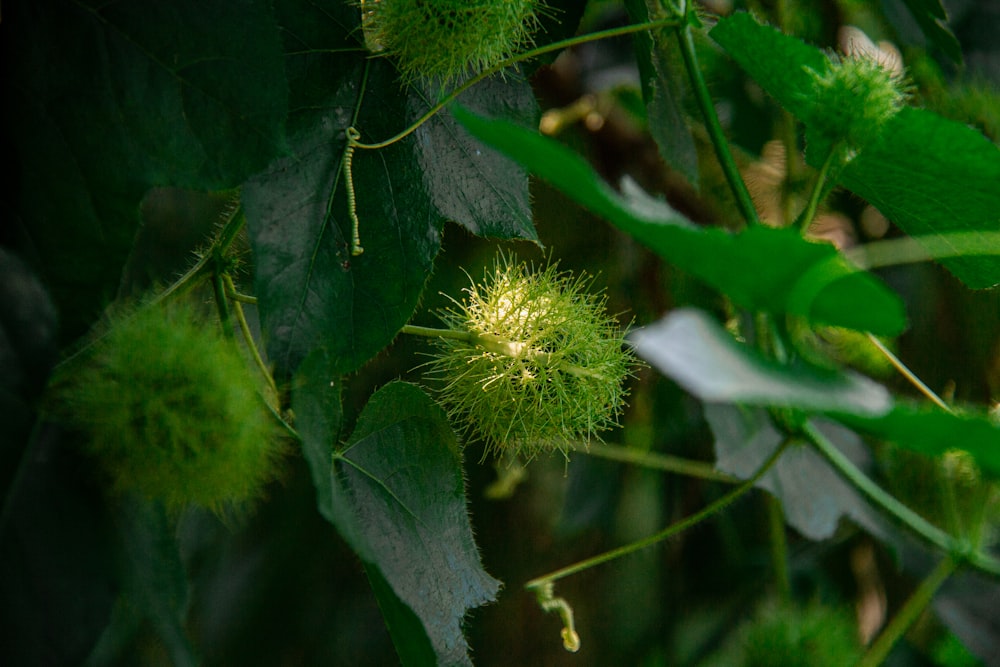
point(855, 97)
point(535, 365)
point(445, 40)
point(171, 412)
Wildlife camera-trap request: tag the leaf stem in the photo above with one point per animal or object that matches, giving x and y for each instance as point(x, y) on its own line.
point(247, 335)
point(779, 548)
point(808, 214)
point(703, 97)
point(917, 524)
point(913, 607)
point(671, 530)
point(655, 461)
point(670, 22)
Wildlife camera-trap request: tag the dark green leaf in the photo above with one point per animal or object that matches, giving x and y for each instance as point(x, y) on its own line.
point(931, 18)
point(664, 88)
point(761, 268)
point(318, 414)
point(934, 432)
point(469, 183)
point(400, 503)
point(813, 495)
point(689, 347)
point(106, 100)
point(927, 174)
point(312, 291)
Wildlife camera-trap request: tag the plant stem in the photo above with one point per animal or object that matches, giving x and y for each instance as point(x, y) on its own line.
point(670, 22)
point(656, 461)
point(248, 336)
point(221, 302)
point(913, 607)
point(671, 530)
point(808, 214)
point(703, 97)
point(904, 370)
point(916, 523)
point(779, 548)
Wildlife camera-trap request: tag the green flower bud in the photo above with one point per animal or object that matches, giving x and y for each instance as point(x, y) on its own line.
point(536, 364)
point(855, 97)
point(171, 412)
point(446, 40)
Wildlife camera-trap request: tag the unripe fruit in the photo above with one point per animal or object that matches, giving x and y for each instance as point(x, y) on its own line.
point(855, 98)
point(446, 40)
point(541, 366)
point(172, 413)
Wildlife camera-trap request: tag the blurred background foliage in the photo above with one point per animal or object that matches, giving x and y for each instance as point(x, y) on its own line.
point(279, 587)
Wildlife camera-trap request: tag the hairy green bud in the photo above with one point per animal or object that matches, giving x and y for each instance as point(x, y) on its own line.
point(171, 412)
point(856, 96)
point(535, 364)
point(446, 40)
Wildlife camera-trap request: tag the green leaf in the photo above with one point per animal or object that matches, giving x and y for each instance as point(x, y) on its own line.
point(400, 504)
point(931, 18)
point(318, 415)
point(927, 174)
point(664, 88)
point(814, 497)
point(469, 183)
point(106, 100)
point(933, 432)
point(312, 291)
point(932, 176)
point(689, 347)
point(761, 268)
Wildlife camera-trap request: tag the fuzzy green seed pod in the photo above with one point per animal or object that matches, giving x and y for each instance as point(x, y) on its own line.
point(446, 40)
point(171, 412)
point(855, 98)
point(536, 364)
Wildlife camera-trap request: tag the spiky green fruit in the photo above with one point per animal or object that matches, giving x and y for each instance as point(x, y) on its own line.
point(171, 412)
point(446, 40)
point(535, 365)
point(855, 97)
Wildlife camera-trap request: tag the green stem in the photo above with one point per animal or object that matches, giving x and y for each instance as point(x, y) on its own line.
point(808, 214)
point(913, 607)
point(248, 336)
point(670, 22)
point(779, 548)
point(671, 530)
point(703, 97)
point(222, 303)
point(655, 461)
point(913, 521)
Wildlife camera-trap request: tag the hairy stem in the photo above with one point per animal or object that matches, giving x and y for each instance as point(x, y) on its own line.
point(913, 607)
point(248, 338)
point(671, 530)
point(808, 214)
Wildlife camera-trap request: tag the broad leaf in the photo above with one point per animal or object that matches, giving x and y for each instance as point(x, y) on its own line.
point(689, 347)
point(927, 174)
point(471, 184)
point(106, 100)
point(318, 414)
point(760, 268)
point(814, 497)
point(400, 503)
point(313, 292)
point(932, 431)
point(664, 88)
